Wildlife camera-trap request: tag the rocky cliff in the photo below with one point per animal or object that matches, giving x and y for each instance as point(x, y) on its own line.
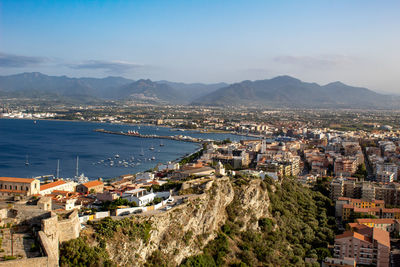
point(240, 221)
point(185, 230)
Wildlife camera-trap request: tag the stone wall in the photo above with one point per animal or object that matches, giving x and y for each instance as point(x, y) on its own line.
point(49, 236)
point(69, 228)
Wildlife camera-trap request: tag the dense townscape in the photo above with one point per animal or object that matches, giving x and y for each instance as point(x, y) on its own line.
point(153, 133)
point(353, 173)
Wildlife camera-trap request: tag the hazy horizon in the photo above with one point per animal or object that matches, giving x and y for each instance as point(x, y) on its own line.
point(205, 41)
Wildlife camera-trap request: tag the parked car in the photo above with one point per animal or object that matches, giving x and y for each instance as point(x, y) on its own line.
point(170, 200)
point(167, 207)
point(138, 211)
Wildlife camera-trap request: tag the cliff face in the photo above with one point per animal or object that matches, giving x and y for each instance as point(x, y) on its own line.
point(184, 230)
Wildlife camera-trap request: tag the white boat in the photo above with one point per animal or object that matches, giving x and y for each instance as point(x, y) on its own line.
point(116, 156)
point(80, 179)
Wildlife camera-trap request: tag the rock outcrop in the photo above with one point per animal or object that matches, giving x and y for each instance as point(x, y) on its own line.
point(186, 229)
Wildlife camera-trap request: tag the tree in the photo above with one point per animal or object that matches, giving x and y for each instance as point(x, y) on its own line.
point(361, 172)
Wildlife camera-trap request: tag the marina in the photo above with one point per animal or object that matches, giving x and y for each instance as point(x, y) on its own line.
point(182, 138)
point(51, 148)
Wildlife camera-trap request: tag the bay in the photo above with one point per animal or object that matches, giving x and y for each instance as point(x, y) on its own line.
point(43, 143)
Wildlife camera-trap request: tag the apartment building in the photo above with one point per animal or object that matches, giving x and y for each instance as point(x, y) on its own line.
point(356, 203)
point(389, 193)
point(349, 210)
point(385, 177)
point(345, 166)
point(368, 246)
point(389, 225)
point(386, 167)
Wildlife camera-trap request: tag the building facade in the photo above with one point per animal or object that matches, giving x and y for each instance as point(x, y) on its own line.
point(11, 186)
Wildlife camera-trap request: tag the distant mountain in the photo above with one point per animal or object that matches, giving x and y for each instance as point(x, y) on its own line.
point(281, 91)
point(147, 90)
point(36, 85)
point(106, 87)
point(29, 83)
point(192, 91)
point(286, 91)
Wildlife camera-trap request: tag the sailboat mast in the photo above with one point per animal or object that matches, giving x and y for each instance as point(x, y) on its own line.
point(77, 166)
point(58, 169)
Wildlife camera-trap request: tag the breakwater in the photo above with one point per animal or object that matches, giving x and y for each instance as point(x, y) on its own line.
point(154, 136)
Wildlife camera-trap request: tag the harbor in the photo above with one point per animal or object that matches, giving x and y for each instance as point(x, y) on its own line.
point(182, 138)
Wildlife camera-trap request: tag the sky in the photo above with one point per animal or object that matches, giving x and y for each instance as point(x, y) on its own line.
point(356, 42)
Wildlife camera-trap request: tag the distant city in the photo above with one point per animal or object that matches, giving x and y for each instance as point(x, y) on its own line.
point(199, 133)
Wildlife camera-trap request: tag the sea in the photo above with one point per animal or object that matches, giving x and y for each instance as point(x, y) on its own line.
point(34, 148)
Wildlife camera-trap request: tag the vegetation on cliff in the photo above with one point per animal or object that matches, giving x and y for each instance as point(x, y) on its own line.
point(83, 252)
point(240, 221)
point(77, 252)
point(299, 226)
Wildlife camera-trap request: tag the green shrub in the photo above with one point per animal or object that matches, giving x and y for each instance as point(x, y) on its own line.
point(199, 261)
point(77, 252)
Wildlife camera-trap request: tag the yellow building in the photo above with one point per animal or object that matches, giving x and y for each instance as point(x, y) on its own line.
point(11, 186)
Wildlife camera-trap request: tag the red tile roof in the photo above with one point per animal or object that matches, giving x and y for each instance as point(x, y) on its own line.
point(367, 234)
point(381, 236)
point(93, 184)
point(12, 191)
point(50, 185)
point(16, 180)
point(353, 234)
point(391, 210)
point(379, 221)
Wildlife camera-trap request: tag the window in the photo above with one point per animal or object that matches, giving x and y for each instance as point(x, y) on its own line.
point(15, 187)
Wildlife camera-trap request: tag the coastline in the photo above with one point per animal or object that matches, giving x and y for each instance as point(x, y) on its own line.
point(199, 130)
point(41, 166)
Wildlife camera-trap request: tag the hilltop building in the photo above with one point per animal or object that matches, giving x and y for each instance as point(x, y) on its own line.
point(11, 186)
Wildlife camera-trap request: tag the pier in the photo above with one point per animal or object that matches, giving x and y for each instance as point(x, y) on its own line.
point(173, 137)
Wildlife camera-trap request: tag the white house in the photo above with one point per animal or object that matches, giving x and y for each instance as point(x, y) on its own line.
point(168, 167)
point(145, 176)
point(57, 185)
point(140, 196)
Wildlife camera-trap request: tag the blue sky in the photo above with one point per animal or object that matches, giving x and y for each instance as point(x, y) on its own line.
point(205, 41)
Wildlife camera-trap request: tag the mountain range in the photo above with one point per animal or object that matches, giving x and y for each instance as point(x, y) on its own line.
point(286, 91)
point(281, 91)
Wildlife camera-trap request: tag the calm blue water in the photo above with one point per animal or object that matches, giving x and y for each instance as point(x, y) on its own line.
point(45, 142)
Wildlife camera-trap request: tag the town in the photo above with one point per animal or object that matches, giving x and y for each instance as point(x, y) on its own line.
point(357, 169)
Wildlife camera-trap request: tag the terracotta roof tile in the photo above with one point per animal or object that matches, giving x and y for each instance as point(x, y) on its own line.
point(379, 221)
point(93, 184)
point(381, 236)
point(50, 185)
point(12, 191)
point(16, 180)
